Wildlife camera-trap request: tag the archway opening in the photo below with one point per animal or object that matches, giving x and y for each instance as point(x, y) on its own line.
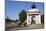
point(33, 20)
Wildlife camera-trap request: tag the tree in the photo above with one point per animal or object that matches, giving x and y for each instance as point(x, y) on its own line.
point(16, 20)
point(22, 16)
point(42, 19)
point(8, 19)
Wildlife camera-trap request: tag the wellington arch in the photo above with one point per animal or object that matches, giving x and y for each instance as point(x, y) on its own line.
point(33, 15)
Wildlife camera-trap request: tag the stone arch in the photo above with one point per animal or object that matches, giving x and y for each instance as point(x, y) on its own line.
point(33, 20)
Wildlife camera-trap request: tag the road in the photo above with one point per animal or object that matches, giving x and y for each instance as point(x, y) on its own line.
point(33, 26)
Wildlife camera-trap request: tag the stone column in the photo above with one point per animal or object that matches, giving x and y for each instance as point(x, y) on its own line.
point(27, 18)
point(38, 19)
point(30, 19)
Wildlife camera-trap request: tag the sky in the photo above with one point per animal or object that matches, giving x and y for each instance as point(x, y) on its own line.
point(12, 8)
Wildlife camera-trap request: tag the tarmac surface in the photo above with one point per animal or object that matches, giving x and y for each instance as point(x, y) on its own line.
point(29, 27)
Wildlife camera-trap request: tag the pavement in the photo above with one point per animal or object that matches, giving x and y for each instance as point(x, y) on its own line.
point(33, 26)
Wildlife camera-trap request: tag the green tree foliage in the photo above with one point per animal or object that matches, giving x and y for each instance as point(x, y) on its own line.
point(16, 20)
point(8, 19)
point(42, 19)
point(22, 15)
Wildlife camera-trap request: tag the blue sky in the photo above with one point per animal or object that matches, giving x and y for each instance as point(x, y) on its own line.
point(14, 7)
